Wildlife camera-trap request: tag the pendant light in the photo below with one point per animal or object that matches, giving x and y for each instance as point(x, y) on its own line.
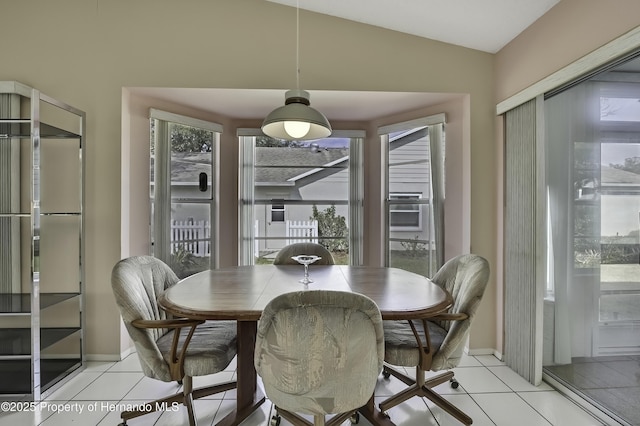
point(296, 120)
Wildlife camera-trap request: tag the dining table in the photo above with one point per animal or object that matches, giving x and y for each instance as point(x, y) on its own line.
point(240, 293)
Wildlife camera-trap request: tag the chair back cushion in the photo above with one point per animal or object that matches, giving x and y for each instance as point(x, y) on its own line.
point(284, 255)
point(320, 352)
point(137, 283)
point(465, 277)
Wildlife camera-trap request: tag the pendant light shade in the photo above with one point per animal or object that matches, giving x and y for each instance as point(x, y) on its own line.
point(296, 120)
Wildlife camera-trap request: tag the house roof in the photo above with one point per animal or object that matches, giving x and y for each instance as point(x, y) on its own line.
point(185, 167)
point(278, 166)
point(275, 165)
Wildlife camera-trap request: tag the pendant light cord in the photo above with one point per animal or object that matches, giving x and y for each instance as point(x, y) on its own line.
point(297, 44)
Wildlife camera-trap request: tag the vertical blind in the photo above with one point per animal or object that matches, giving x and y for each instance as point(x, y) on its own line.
point(522, 242)
point(246, 196)
point(9, 200)
point(356, 198)
point(437, 158)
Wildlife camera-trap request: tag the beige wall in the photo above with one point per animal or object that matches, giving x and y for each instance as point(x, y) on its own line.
point(564, 35)
point(569, 31)
point(85, 53)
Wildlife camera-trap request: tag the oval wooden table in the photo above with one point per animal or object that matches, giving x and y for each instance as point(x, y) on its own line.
point(240, 293)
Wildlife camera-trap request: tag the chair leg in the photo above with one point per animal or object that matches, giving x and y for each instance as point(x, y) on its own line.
point(388, 371)
point(439, 379)
point(293, 418)
point(154, 405)
point(180, 397)
point(447, 406)
point(318, 420)
point(423, 388)
point(187, 389)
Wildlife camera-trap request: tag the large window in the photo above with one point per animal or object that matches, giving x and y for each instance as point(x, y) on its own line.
point(300, 191)
point(183, 189)
point(414, 156)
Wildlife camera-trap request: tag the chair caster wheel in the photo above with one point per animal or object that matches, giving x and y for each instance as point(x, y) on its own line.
point(355, 418)
point(454, 383)
point(386, 375)
point(275, 420)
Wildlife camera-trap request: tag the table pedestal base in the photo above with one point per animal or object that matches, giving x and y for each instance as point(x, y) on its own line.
point(375, 416)
point(240, 414)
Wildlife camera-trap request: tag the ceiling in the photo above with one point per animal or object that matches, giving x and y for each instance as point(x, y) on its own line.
point(485, 25)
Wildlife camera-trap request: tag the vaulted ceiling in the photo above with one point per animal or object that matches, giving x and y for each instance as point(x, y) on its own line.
point(486, 25)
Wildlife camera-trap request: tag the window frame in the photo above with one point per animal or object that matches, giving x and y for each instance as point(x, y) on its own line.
point(162, 200)
point(246, 198)
point(278, 209)
point(415, 200)
point(435, 126)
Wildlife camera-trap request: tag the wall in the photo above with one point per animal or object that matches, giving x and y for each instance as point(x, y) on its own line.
point(570, 30)
point(564, 35)
point(97, 48)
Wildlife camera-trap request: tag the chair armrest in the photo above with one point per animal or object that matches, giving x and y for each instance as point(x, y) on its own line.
point(426, 352)
point(170, 323)
point(176, 355)
point(450, 317)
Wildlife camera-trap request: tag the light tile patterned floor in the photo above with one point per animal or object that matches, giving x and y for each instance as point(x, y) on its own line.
point(489, 392)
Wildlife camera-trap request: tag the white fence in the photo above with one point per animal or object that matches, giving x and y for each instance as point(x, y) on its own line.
point(191, 235)
point(195, 235)
point(301, 231)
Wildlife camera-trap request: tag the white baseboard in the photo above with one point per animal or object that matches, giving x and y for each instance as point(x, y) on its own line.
point(110, 357)
point(484, 351)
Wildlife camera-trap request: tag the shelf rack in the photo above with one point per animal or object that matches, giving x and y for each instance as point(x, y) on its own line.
point(42, 318)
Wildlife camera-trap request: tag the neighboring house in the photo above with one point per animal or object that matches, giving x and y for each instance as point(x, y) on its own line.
point(319, 174)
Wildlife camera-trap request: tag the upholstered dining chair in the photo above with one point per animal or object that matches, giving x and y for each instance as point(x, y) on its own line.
point(319, 352)
point(169, 349)
point(437, 344)
point(284, 255)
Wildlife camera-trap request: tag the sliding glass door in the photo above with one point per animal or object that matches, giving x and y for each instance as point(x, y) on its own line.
point(592, 305)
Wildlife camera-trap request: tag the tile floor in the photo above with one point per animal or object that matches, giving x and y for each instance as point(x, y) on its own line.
point(489, 392)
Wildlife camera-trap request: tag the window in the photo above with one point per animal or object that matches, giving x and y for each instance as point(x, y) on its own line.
point(183, 189)
point(414, 182)
point(406, 216)
point(277, 213)
point(317, 184)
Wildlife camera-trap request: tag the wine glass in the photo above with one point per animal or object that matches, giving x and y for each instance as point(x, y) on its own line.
point(306, 260)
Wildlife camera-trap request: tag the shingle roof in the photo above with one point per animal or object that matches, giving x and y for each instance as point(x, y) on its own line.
point(273, 165)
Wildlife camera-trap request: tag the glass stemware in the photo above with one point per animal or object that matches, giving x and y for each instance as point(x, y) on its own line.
point(306, 260)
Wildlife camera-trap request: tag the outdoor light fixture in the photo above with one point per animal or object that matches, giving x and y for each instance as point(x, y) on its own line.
point(296, 120)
